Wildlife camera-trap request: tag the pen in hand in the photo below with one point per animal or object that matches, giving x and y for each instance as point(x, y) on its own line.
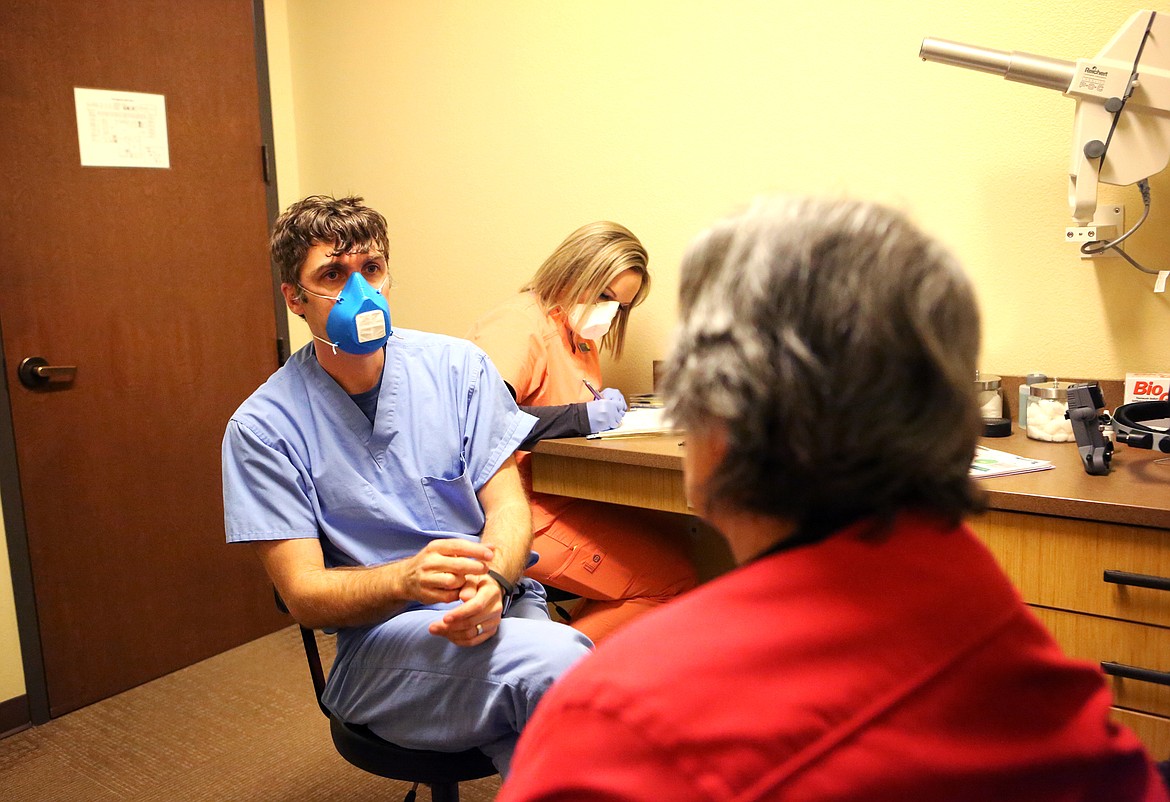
point(591, 389)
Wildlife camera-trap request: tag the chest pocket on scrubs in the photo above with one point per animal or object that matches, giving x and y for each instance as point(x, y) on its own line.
point(453, 503)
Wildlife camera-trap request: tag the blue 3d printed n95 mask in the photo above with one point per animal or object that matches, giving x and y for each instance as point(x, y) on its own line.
point(359, 322)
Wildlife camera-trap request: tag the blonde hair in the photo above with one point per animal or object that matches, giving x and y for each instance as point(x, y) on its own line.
point(582, 266)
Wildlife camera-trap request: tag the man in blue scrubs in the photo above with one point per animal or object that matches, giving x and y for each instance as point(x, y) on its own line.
point(374, 475)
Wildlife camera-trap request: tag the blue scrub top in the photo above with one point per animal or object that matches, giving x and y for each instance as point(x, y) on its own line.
point(301, 460)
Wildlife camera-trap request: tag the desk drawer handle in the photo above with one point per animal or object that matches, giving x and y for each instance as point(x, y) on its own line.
point(1137, 580)
point(1133, 672)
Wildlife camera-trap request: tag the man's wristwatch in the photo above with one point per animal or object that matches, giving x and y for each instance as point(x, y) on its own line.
point(507, 589)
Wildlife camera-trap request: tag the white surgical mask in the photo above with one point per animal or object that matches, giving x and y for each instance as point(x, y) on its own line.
point(592, 321)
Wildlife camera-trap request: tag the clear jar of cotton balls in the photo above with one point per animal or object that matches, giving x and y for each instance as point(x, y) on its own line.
point(1047, 408)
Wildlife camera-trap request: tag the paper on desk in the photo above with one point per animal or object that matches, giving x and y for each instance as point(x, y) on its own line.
point(989, 462)
point(638, 421)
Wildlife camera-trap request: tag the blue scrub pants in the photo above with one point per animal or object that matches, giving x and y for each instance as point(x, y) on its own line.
point(424, 692)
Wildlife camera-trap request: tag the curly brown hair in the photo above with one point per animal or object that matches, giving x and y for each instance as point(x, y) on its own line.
point(346, 223)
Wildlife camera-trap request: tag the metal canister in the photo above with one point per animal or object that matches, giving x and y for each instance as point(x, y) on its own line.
point(990, 400)
point(1047, 412)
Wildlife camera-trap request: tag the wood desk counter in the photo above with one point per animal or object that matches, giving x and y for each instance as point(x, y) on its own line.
point(1136, 491)
point(1055, 532)
point(636, 471)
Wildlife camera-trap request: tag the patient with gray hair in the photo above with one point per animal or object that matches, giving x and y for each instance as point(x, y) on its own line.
point(868, 647)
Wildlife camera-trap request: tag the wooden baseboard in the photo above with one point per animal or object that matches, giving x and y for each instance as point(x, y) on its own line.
point(14, 716)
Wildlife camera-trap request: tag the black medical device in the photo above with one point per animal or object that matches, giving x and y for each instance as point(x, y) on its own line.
point(1129, 425)
point(1088, 417)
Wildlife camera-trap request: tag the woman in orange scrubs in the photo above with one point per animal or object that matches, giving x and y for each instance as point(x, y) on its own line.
point(545, 342)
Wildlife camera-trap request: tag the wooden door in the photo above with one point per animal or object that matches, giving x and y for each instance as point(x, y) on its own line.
point(155, 284)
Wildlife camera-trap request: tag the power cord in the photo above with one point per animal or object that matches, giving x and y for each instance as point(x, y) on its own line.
point(1094, 248)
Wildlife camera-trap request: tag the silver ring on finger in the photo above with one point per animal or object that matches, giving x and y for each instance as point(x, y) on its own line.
point(478, 630)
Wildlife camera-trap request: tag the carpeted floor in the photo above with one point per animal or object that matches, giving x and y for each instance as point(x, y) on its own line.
point(240, 726)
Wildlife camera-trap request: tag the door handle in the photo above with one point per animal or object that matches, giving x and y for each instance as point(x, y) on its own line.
point(35, 371)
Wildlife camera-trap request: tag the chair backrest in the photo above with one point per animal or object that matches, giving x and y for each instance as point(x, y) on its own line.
point(315, 671)
point(312, 654)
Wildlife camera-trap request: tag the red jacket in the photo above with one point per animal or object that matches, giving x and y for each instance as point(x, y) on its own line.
point(900, 670)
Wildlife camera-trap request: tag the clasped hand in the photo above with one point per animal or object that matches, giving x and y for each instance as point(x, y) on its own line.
point(606, 412)
point(452, 569)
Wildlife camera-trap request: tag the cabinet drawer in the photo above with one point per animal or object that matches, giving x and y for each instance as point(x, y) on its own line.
point(1059, 562)
point(1154, 731)
point(1101, 639)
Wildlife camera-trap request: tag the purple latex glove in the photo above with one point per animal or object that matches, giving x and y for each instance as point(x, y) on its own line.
point(606, 412)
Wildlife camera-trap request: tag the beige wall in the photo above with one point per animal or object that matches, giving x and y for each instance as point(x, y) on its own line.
point(283, 109)
point(11, 670)
point(487, 131)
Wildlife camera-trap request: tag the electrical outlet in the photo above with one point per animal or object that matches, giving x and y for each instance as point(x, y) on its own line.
point(1108, 223)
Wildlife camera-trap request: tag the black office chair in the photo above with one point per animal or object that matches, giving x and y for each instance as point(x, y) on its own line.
point(440, 771)
point(558, 598)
